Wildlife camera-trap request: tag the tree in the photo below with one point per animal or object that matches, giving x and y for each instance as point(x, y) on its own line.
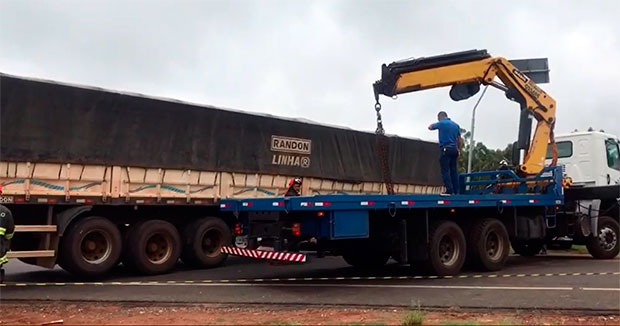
point(484, 159)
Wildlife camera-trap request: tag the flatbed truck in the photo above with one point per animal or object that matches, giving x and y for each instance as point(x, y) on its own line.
point(524, 207)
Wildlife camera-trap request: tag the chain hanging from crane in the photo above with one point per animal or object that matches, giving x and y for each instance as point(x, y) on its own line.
point(383, 149)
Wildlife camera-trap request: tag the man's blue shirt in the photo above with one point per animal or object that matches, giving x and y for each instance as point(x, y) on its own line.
point(449, 132)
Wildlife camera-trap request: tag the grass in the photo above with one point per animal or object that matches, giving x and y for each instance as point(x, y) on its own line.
point(580, 249)
point(414, 317)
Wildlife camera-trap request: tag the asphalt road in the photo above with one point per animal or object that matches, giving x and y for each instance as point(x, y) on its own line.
point(548, 282)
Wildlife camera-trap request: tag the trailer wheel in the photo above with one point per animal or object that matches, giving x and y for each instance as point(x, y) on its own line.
point(488, 245)
point(447, 249)
point(203, 240)
point(527, 248)
point(153, 247)
point(90, 246)
point(605, 245)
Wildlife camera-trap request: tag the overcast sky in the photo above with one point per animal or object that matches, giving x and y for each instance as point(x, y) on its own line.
point(318, 59)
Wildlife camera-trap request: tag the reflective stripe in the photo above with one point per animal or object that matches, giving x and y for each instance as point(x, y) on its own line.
point(9, 236)
point(2, 230)
point(4, 259)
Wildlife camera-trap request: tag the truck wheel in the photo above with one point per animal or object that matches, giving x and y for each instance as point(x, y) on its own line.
point(203, 240)
point(527, 248)
point(446, 249)
point(90, 246)
point(605, 244)
point(488, 245)
point(153, 247)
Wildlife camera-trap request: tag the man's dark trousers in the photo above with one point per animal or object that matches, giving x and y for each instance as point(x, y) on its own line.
point(449, 173)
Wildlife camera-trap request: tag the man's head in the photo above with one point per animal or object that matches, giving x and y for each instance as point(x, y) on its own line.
point(441, 115)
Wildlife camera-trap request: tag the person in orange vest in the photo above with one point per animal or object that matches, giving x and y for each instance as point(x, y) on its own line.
point(7, 229)
point(294, 188)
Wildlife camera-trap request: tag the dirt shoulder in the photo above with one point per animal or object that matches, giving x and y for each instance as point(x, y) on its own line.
point(198, 314)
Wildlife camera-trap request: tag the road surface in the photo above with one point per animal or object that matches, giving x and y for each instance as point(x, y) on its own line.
point(565, 282)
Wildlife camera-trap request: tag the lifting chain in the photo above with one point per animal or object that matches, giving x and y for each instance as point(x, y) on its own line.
point(383, 151)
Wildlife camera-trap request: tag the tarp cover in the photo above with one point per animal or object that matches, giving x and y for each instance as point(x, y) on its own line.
point(57, 123)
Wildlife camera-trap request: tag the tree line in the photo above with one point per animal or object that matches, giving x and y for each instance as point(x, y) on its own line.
point(484, 158)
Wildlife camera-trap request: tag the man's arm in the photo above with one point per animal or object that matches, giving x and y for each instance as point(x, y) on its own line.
point(432, 126)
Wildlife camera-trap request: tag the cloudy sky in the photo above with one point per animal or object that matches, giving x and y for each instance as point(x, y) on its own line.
point(318, 59)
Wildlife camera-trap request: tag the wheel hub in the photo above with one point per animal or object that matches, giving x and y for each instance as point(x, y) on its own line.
point(448, 251)
point(159, 248)
point(211, 243)
point(96, 246)
point(493, 245)
point(607, 238)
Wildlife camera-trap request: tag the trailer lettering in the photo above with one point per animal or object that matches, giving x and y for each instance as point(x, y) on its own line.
point(290, 160)
point(291, 145)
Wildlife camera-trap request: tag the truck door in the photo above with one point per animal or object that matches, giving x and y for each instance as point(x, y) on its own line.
point(612, 151)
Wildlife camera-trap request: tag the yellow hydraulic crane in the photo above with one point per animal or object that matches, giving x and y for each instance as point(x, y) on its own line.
point(465, 72)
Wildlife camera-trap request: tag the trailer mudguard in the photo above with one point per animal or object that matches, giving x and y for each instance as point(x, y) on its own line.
point(63, 219)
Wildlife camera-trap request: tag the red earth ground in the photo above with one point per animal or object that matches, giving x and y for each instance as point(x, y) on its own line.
point(198, 314)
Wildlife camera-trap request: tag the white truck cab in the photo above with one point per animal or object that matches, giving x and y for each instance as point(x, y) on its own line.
point(590, 158)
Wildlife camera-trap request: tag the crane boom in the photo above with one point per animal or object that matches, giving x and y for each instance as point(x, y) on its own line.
point(465, 72)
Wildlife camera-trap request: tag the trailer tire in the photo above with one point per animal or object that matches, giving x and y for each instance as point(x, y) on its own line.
point(527, 248)
point(203, 240)
point(90, 247)
point(605, 245)
point(152, 247)
point(488, 245)
point(447, 249)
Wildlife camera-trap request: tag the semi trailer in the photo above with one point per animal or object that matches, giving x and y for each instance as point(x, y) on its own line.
point(97, 177)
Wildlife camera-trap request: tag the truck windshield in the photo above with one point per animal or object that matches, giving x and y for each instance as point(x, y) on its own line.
point(613, 154)
point(565, 149)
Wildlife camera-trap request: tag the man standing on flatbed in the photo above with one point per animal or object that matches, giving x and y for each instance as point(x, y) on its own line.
point(450, 142)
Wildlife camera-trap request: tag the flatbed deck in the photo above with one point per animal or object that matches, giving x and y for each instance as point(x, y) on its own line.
point(366, 202)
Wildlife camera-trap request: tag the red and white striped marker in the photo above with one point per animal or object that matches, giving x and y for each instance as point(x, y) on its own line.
point(262, 254)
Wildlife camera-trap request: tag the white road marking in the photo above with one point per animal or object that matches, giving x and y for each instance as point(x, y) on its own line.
point(392, 286)
point(601, 289)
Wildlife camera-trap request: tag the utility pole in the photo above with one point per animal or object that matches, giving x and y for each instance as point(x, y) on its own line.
point(536, 69)
point(472, 142)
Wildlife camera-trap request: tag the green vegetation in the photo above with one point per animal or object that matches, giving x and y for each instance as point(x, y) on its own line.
point(414, 317)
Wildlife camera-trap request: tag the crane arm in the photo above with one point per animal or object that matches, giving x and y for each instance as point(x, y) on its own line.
point(465, 72)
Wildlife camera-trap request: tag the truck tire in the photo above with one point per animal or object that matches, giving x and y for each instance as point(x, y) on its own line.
point(152, 247)
point(605, 244)
point(488, 246)
point(447, 249)
point(527, 248)
point(203, 240)
point(90, 247)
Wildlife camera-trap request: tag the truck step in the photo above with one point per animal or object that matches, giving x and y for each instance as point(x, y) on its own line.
point(36, 228)
point(267, 255)
point(31, 254)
